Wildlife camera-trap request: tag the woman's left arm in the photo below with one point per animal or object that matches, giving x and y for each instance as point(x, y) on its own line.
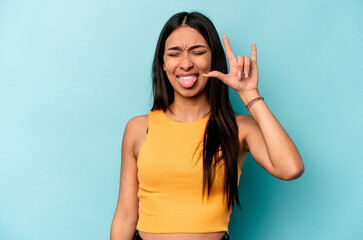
point(267, 141)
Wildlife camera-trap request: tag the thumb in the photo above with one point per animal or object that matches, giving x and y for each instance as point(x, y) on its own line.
point(217, 74)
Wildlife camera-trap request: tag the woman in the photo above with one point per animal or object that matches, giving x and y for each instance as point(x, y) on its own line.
point(181, 163)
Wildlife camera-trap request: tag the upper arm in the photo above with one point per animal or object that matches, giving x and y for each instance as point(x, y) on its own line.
point(255, 142)
point(127, 205)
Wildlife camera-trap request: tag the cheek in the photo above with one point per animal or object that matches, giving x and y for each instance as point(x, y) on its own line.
point(169, 65)
point(206, 63)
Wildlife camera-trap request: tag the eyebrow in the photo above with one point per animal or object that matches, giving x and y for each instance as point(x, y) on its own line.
point(191, 48)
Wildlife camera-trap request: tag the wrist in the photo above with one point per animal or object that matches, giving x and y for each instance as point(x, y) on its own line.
point(246, 97)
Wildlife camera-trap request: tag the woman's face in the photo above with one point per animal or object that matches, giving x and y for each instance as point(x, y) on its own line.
point(186, 57)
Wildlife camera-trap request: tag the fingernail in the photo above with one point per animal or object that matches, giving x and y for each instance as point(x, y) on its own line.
point(206, 75)
point(246, 73)
point(224, 35)
point(239, 74)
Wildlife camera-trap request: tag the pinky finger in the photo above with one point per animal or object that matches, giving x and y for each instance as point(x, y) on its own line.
point(253, 55)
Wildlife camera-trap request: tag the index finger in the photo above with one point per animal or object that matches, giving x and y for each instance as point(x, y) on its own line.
point(228, 49)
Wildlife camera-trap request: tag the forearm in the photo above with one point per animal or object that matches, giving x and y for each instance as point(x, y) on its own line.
point(281, 149)
point(122, 229)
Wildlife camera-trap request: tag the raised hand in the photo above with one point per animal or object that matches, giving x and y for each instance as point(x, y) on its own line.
point(243, 71)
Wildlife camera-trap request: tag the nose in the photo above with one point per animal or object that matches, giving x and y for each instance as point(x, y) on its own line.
point(186, 63)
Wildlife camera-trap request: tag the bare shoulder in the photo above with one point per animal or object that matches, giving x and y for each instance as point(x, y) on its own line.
point(246, 123)
point(137, 122)
point(135, 132)
point(135, 126)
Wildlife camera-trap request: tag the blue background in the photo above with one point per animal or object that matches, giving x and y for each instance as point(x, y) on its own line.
point(72, 73)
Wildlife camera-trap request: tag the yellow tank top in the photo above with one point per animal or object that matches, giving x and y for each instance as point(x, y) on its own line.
point(171, 180)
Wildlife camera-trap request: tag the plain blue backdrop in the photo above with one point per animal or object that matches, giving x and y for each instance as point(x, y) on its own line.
point(72, 73)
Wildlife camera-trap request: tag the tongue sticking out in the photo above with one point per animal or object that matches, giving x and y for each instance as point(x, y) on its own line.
point(187, 82)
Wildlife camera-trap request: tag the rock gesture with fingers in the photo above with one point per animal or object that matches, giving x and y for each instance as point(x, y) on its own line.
point(243, 72)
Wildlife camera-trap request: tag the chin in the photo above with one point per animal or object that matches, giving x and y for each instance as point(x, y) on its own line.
point(191, 92)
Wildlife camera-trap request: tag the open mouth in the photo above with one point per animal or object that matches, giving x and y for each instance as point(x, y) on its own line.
point(187, 81)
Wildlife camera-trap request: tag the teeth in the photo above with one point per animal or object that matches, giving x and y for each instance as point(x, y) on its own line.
point(188, 77)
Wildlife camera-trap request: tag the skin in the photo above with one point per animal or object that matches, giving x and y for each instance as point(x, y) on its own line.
point(265, 138)
point(186, 52)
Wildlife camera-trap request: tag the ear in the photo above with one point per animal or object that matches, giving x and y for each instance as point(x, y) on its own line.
point(164, 67)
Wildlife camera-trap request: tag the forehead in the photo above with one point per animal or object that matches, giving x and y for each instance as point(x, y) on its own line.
point(185, 37)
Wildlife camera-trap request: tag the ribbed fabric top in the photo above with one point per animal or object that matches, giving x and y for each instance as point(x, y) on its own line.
point(171, 180)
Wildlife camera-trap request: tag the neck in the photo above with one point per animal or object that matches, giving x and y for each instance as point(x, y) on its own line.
point(191, 109)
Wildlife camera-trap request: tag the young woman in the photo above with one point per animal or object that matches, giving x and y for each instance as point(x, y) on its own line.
point(181, 163)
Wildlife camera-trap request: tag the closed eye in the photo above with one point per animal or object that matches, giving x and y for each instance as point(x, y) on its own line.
point(195, 50)
point(173, 54)
point(195, 53)
point(199, 53)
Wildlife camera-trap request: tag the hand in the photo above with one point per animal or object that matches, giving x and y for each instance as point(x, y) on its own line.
point(243, 72)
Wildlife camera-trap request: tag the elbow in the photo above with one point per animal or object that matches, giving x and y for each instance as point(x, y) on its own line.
point(295, 173)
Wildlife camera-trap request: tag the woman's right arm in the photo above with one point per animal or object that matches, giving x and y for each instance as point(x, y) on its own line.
point(126, 215)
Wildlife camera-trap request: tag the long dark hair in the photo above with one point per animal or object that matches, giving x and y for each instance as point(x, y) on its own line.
point(221, 133)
